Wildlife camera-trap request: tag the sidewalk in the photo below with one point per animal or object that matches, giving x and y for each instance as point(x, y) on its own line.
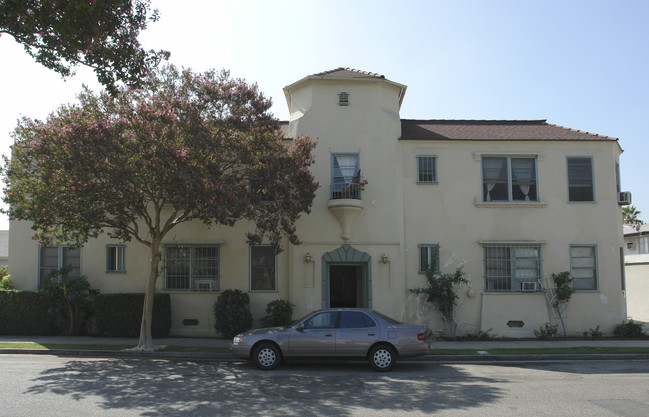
point(482, 348)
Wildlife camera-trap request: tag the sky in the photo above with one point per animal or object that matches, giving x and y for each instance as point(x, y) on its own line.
point(578, 64)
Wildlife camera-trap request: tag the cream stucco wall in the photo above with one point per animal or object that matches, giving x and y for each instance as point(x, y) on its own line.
point(637, 286)
point(397, 215)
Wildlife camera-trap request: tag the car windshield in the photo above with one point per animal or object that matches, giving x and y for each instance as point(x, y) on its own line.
point(386, 318)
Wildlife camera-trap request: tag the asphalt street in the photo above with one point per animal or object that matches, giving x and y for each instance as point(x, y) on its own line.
point(62, 386)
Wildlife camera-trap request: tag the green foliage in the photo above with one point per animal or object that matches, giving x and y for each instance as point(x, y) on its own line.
point(630, 215)
point(27, 313)
point(5, 279)
point(232, 311)
point(278, 313)
point(119, 315)
point(548, 331)
point(73, 299)
point(185, 147)
point(101, 35)
point(441, 291)
point(594, 333)
point(629, 330)
point(563, 281)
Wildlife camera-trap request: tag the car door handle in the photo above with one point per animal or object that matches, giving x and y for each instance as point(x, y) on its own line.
point(328, 335)
point(370, 334)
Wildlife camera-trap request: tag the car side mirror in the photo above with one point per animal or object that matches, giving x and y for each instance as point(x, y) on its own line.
point(300, 327)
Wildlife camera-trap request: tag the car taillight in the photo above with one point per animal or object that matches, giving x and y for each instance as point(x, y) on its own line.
point(421, 336)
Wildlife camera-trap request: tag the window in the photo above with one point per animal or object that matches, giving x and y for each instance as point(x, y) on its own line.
point(583, 266)
point(115, 258)
point(262, 268)
point(426, 169)
point(643, 244)
point(428, 257)
point(346, 176)
point(507, 267)
point(355, 320)
point(507, 178)
point(580, 179)
point(191, 268)
point(324, 320)
point(53, 258)
point(343, 98)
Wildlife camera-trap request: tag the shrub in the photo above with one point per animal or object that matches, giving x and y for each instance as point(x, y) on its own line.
point(5, 281)
point(73, 299)
point(120, 315)
point(594, 333)
point(278, 313)
point(25, 313)
point(628, 330)
point(232, 312)
point(548, 331)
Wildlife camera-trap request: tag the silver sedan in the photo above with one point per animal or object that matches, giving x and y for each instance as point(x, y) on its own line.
point(334, 333)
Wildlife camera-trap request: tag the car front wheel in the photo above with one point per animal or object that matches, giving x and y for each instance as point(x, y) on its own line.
point(266, 356)
point(382, 358)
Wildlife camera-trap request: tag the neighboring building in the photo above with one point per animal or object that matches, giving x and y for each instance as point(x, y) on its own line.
point(4, 247)
point(511, 201)
point(636, 250)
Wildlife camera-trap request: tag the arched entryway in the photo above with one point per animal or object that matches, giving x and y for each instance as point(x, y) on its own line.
point(346, 278)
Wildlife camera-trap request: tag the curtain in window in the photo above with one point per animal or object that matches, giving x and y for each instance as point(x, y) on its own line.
point(494, 171)
point(347, 166)
point(523, 174)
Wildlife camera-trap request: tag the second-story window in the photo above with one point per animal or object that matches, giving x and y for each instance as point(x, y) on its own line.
point(346, 176)
point(506, 178)
point(426, 169)
point(580, 179)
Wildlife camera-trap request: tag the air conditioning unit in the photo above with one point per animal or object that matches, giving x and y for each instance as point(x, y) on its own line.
point(624, 198)
point(529, 286)
point(204, 285)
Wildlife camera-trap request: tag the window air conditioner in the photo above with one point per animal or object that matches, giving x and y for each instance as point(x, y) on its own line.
point(204, 285)
point(529, 286)
point(624, 198)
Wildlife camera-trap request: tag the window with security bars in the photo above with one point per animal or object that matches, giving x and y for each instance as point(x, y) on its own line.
point(115, 258)
point(191, 268)
point(57, 257)
point(262, 268)
point(583, 267)
point(426, 169)
point(506, 178)
point(509, 267)
point(343, 98)
point(580, 179)
point(429, 258)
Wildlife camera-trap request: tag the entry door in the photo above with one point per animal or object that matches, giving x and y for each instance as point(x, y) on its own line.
point(345, 286)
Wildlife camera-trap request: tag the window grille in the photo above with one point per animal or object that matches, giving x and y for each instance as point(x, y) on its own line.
point(507, 267)
point(426, 169)
point(583, 266)
point(191, 267)
point(343, 98)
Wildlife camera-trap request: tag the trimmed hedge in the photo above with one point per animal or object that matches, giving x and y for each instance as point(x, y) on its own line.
point(25, 313)
point(120, 315)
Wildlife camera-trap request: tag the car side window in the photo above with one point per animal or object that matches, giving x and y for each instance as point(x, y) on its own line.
point(324, 320)
point(355, 320)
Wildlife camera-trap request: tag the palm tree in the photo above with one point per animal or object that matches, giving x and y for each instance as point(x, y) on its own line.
point(630, 214)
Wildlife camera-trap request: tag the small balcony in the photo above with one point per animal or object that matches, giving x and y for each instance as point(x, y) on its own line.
point(343, 190)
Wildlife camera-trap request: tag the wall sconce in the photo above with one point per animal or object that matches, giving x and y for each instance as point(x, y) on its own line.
point(384, 258)
point(307, 257)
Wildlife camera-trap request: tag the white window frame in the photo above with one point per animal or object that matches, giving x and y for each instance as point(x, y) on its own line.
point(61, 256)
point(115, 264)
point(343, 186)
point(426, 163)
point(195, 264)
point(510, 180)
point(578, 271)
point(254, 268)
point(510, 269)
point(426, 253)
point(571, 181)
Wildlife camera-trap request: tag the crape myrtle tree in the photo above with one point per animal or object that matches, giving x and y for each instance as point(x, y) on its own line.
point(100, 34)
point(184, 147)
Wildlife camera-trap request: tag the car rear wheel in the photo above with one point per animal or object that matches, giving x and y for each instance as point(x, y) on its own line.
point(266, 356)
point(382, 358)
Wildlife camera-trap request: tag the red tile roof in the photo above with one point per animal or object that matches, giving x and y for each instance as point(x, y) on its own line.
point(492, 130)
point(348, 73)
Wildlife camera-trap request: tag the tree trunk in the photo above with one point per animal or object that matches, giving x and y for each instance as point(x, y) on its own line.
point(146, 341)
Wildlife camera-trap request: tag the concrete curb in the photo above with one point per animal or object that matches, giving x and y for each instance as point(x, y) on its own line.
point(227, 357)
